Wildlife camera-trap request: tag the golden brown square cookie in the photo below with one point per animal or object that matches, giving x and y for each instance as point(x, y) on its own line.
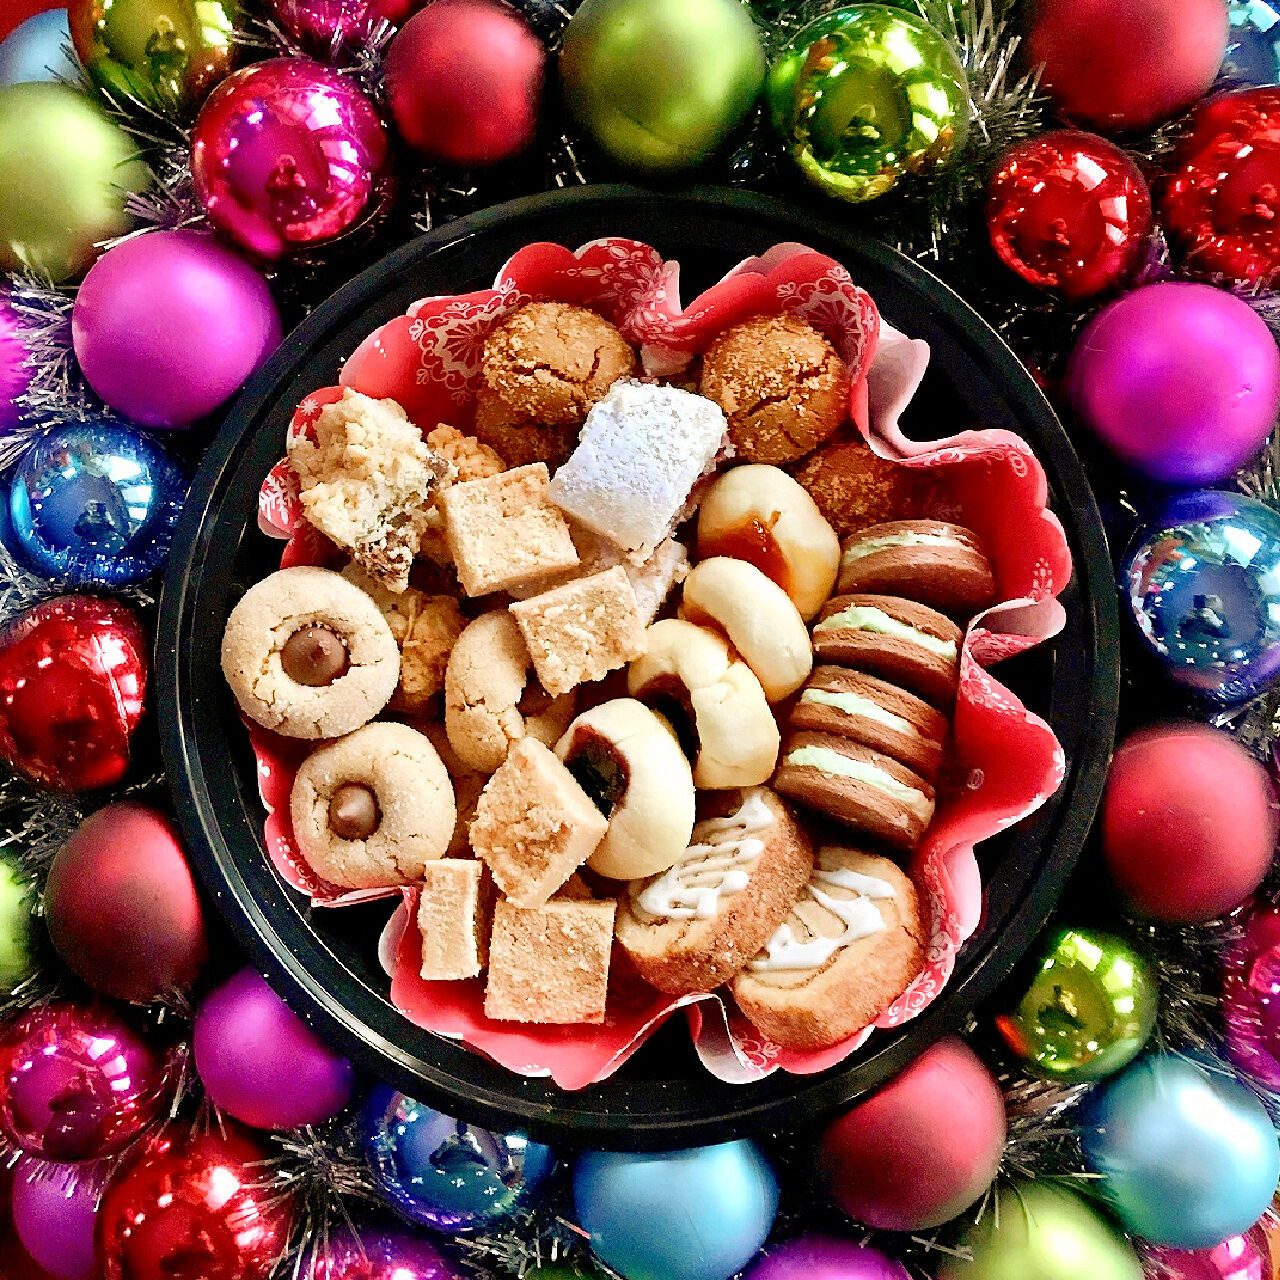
point(454, 909)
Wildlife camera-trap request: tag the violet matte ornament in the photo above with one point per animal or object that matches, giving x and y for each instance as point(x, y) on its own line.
point(15, 376)
point(55, 1208)
point(368, 1254)
point(261, 1063)
point(167, 326)
point(1180, 381)
point(819, 1257)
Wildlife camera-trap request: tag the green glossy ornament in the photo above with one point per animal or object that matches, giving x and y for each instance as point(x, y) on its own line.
point(1088, 1011)
point(167, 54)
point(1038, 1231)
point(658, 85)
point(865, 95)
point(65, 173)
point(15, 929)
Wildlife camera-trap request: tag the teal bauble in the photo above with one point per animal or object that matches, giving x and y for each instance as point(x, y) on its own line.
point(15, 930)
point(1039, 1231)
point(658, 85)
point(865, 95)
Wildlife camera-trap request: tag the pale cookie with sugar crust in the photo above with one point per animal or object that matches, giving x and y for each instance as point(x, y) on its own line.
point(850, 947)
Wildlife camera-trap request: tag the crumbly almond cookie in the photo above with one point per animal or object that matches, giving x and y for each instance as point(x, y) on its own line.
point(698, 924)
point(781, 385)
point(373, 808)
point(490, 701)
point(426, 628)
point(308, 654)
point(367, 480)
point(849, 948)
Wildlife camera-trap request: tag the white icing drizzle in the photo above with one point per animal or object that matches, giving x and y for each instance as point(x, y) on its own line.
point(859, 915)
point(716, 863)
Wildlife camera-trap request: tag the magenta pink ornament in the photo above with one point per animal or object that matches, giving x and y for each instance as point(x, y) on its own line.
point(1251, 998)
point(369, 1254)
point(1246, 1257)
point(286, 155)
point(329, 26)
point(55, 1209)
point(168, 325)
point(76, 1083)
point(1180, 381)
point(261, 1063)
point(15, 376)
point(819, 1257)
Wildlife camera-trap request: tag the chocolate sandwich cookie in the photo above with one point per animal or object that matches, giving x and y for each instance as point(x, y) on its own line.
point(937, 563)
point(857, 786)
point(865, 709)
point(899, 640)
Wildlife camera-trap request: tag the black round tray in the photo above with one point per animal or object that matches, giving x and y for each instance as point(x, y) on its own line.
point(323, 961)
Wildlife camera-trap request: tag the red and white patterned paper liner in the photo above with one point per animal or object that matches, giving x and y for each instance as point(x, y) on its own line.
point(1006, 761)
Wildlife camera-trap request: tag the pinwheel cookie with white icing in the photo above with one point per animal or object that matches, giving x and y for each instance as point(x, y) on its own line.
point(850, 947)
point(698, 923)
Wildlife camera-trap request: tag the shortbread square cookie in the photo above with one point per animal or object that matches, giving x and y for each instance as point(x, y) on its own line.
point(504, 531)
point(367, 480)
point(534, 825)
point(454, 910)
point(549, 964)
point(582, 630)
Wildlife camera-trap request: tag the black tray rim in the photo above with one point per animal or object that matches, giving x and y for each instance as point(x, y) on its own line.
point(176, 678)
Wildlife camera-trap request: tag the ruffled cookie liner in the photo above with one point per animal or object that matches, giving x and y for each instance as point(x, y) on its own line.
point(1005, 760)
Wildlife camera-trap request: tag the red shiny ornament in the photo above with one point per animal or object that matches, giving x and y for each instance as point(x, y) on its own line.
point(1220, 203)
point(76, 1083)
point(73, 682)
point(464, 80)
point(1119, 65)
point(192, 1208)
point(323, 25)
point(288, 154)
point(1068, 211)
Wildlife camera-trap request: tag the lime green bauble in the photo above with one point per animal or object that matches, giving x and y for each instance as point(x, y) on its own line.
point(65, 173)
point(15, 930)
point(865, 95)
point(658, 85)
point(1039, 1231)
point(1088, 1010)
point(167, 54)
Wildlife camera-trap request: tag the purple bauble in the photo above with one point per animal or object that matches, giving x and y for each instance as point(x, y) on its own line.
point(261, 1063)
point(55, 1207)
point(1246, 1257)
point(15, 376)
point(1180, 381)
point(167, 326)
point(328, 26)
point(287, 154)
point(1251, 998)
point(370, 1254)
point(819, 1257)
point(76, 1083)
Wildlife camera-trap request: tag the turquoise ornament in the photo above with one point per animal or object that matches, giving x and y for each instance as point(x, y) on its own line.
point(866, 95)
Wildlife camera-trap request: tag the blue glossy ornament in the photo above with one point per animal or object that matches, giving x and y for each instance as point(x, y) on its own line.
point(696, 1214)
point(1187, 1154)
point(1253, 45)
point(95, 503)
point(1201, 582)
point(39, 49)
point(441, 1173)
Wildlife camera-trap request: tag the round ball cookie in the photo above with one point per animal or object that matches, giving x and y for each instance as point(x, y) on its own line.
point(854, 487)
point(760, 514)
point(781, 385)
point(713, 701)
point(541, 372)
point(627, 759)
point(759, 618)
point(372, 809)
point(309, 655)
point(489, 699)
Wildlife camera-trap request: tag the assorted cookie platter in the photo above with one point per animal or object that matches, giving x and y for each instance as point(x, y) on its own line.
point(634, 649)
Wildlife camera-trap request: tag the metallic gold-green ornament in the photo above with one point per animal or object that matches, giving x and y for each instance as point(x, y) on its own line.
point(865, 95)
point(166, 54)
point(1034, 1230)
point(65, 174)
point(658, 85)
point(1090, 1008)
